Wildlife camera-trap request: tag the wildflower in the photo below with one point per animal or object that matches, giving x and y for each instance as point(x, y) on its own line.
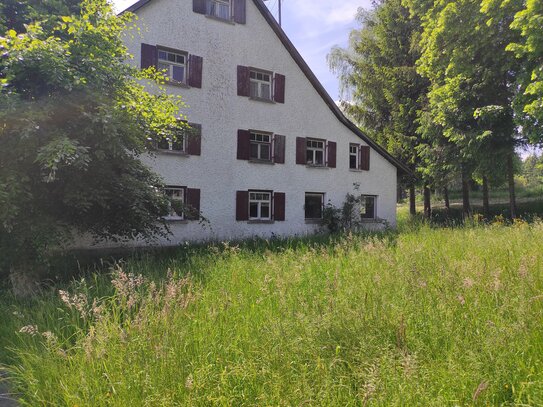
point(30, 329)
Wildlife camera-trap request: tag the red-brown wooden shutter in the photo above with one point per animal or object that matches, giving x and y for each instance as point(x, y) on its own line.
point(149, 56)
point(242, 205)
point(243, 81)
point(279, 206)
point(301, 146)
point(193, 204)
point(195, 71)
point(239, 11)
point(331, 154)
point(279, 93)
point(194, 141)
point(199, 6)
point(279, 143)
point(244, 145)
point(365, 158)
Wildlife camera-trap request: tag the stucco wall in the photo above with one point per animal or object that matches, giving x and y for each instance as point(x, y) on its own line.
point(221, 113)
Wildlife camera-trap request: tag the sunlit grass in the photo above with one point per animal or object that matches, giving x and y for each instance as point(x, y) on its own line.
point(421, 317)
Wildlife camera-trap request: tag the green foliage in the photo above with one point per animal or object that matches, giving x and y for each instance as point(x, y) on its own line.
point(429, 317)
point(347, 218)
point(74, 119)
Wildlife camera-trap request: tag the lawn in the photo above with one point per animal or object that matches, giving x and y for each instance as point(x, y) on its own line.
point(424, 316)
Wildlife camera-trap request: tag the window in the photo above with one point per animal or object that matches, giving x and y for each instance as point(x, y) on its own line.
point(260, 85)
point(315, 152)
point(167, 144)
point(314, 204)
point(174, 65)
point(260, 146)
point(259, 205)
point(367, 210)
point(353, 156)
point(219, 9)
point(176, 195)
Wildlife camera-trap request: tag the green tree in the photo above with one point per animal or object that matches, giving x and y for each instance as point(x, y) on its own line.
point(378, 76)
point(74, 120)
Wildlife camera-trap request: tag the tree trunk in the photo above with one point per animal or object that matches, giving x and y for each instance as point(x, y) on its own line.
point(486, 201)
point(511, 181)
point(412, 200)
point(427, 202)
point(466, 207)
point(446, 199)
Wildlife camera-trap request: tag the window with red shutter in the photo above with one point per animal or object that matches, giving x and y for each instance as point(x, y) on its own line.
point(149, 56)
point(243, 81)
point(301, 150)
point(192, 203)
point(279, 206)
point(194, 139)
point(279, 146)
point(195, 71)
point(331, 154)
point(239, 11)
point(365, 158)
point(279, 91)
point(244, 145)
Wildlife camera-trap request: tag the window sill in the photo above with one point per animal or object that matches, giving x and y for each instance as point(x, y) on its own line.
point(176, 221)
point(262, 100)
point(265, 162)
point(355, 170)
point(263, 222)
point(313, 221)
point(171, 152)
point(222, 20)
point(322, 167)
point(171, 82)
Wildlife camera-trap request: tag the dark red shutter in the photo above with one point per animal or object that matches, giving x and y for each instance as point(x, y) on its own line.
point(365, 158)
point(194, 141)
point(239, 11)
point(244, 145)
point(149, 56)
point(199, 6)
point(279, 149)
point(279, 94)
point(301, 146)
point(243, 81)
point(242, 205)
point(195, 71)
point(331, 154)
point(193, 204)
point(279, 206)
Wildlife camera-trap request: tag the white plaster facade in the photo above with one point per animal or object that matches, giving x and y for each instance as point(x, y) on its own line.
point(221, 112)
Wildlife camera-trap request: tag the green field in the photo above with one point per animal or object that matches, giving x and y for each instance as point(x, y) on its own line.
point(423, 316)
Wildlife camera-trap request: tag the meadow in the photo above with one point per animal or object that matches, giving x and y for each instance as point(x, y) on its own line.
point(421, 316)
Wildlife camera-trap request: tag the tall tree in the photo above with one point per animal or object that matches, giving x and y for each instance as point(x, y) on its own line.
point(472, 78)
point(378, 76)
point(74, 120)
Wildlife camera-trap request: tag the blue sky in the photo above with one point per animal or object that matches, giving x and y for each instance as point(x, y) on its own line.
point(314, 26)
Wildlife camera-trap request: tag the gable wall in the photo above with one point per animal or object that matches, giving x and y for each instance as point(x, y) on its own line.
point(221, 112)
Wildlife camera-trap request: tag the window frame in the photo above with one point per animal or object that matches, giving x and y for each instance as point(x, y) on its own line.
point(259, 202)
point(321, 195)
point(356, 155)
point(172, 64)
point(314, 150)
point(174, 216)
point(209, 13)
point(259, 144)
point(260, 82)
point(373, 216)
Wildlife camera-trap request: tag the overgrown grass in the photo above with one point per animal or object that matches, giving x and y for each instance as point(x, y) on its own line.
point(423, 317)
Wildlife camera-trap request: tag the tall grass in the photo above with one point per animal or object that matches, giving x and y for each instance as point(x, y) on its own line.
point(426, 317)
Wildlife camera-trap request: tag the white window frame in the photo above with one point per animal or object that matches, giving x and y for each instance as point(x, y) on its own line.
point(254, 80)
point(171, 64)
point(260, 198)
point(321, 196)
point(312, 146)
point(258, 138)
point(363, 204)
point(214, 8)
point(181, 197)
point(356, 154)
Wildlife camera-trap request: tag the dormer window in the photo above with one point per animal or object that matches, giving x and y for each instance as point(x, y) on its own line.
point(219, 9)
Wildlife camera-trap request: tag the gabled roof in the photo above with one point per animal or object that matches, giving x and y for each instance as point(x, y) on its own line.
point(313, 79)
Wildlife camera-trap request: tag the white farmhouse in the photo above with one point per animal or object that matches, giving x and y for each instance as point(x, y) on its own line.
point(270, 147)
